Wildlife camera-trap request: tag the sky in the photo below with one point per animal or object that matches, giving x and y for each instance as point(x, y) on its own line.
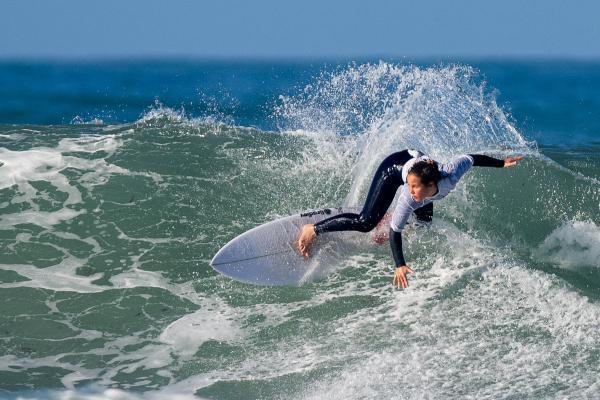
point(299, 29)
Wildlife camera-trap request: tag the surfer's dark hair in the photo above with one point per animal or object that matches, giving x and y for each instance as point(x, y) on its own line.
point(427, 171)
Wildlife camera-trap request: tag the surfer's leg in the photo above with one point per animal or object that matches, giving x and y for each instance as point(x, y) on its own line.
point(380, 197)
point(387, 180)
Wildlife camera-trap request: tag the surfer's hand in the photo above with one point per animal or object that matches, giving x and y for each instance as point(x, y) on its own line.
point(400, 276)
point(512, 161)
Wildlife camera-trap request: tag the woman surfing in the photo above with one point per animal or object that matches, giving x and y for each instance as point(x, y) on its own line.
point(421, 181)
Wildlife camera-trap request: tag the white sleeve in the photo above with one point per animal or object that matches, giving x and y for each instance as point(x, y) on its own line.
point(458, 167)
point(401, 212)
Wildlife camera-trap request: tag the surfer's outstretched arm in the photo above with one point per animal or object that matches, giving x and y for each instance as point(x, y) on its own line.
point(512, 161)
point(480, 160)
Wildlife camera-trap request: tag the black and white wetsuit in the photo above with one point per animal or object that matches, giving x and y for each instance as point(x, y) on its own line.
point(390, 175)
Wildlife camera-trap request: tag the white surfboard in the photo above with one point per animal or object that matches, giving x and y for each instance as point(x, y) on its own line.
point(267, 254)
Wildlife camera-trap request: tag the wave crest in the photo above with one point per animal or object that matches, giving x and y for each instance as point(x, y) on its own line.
point(442, 111)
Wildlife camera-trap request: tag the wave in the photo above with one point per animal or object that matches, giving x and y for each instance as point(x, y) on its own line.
point(311, 162)
point(108, 231)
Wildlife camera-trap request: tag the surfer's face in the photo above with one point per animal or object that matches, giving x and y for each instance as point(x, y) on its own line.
point(418, 191)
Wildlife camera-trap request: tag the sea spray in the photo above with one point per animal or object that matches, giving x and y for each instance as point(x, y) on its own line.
point(442, 111)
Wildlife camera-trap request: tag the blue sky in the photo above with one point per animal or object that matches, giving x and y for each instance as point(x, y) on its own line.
point(307, 28)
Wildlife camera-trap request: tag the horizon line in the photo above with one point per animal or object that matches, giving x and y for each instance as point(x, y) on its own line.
point(297, 58)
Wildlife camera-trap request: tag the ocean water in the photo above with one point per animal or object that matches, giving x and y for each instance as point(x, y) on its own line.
point(119, 180)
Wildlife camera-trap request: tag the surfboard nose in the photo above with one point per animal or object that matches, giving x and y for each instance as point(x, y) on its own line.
point(267, 254)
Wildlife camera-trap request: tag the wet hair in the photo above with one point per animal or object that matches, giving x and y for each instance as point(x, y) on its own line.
point(427, 171)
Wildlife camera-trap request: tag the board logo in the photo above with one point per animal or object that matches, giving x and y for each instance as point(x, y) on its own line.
point(325, 211)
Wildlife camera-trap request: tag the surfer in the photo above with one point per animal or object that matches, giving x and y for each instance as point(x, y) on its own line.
point(422, 181)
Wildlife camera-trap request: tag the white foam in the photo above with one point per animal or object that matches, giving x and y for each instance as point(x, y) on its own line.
point(160, 114)
point(211, 322)
point(573, 244)
point(77, 120)
point(512, 332)
point(41, 218)
point(90, 144)
point(19, 168)
point(59, 277)
point(96, 393)
point(62, 277)
point(472, 324)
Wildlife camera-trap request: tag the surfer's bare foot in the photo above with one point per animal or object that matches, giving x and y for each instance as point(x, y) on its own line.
point(307, 236)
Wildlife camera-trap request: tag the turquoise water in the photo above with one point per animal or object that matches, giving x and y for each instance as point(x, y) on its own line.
point(119, 182)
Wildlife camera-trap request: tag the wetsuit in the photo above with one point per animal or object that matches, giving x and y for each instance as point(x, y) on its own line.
point(390, 175)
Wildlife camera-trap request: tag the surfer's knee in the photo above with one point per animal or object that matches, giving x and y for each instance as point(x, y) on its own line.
point(366, 224)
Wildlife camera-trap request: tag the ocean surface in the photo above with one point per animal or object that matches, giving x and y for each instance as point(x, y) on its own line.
point(119, 181)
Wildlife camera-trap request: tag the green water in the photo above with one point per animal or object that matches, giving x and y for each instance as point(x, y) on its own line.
point(107, 232)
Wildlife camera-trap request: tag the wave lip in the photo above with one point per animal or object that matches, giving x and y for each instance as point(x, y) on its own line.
point(382, 108)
